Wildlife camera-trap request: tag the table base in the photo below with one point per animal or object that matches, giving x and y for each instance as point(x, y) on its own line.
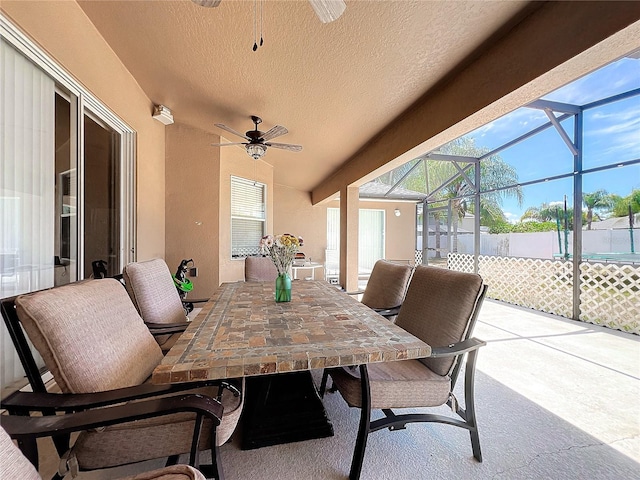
point(282, 408)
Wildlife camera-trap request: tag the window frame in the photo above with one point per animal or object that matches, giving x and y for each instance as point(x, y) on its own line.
point(237, 180)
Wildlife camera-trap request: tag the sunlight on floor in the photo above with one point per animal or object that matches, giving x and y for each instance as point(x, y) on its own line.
point(585, 374)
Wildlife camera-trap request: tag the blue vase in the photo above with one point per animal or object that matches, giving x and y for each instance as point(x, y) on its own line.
point(283, 288)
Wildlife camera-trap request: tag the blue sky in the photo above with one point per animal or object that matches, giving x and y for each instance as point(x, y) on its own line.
point(611, 135)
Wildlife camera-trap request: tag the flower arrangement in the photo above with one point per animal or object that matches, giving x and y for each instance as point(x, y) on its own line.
point(282, 249)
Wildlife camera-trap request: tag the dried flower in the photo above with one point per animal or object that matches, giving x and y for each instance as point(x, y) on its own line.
point(282, 249)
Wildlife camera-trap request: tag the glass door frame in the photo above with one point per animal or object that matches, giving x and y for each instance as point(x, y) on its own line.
point(86, 103)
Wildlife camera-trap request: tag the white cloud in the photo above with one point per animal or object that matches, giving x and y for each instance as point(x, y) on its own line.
point(512, 217)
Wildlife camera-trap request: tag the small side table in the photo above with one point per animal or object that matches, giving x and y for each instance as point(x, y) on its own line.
point(309, 266)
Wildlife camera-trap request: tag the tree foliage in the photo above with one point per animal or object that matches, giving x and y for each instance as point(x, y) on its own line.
point(596, 203)
point(523, 227)
point(621, 204)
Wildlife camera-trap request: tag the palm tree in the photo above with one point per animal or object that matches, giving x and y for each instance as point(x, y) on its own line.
point(596, 200)
point(495, 175)
point(428, 175)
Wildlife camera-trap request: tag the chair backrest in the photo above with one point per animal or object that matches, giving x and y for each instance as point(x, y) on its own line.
point(153, 292)
point(89, 335)
point(440, 308)
point(387, 285)
point(13, 464)
point(259, 269)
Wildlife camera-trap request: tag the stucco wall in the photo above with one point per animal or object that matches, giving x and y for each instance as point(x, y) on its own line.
point(400, 231)
point(235, 161)
point(293, 213)
point(192, 196)
point(64, 31)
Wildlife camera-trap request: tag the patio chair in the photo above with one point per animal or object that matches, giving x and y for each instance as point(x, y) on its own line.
point(441, 307)
point(154, 294)
point(386, 287)
point(100, 354)
point(383, 294)
point(22, 463)
point(259, 269)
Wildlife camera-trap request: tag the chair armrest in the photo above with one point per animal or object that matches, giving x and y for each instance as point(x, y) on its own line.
point(22, 427)
point(457, 348)
point(164, 328)
point(195, 300)
point(24, 402)
point(359, 292)
point(229, 386)
point(387, 312)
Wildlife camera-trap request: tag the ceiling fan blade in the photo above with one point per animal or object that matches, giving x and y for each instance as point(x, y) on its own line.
point(274, 132)
point(207, 3)
point(328, 10)
point(223, 144)
point(285, 146)
point(231, 130)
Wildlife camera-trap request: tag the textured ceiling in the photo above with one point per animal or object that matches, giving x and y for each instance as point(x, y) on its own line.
point(334, 86)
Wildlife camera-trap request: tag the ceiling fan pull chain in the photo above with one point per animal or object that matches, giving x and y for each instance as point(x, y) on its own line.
point(255, 26)
point(261, 22)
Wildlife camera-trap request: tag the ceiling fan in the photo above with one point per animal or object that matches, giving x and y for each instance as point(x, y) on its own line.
point(258, 141)
point(326, 10)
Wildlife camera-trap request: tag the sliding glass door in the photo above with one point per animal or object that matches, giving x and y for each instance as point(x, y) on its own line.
point(102, 212)
point(66, 182)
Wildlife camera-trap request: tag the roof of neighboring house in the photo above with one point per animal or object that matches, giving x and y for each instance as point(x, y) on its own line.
point(616, 223)
point(380, 190)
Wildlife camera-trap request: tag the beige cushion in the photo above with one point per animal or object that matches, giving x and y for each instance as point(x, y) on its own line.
point(174, 472)
point(387, 285)
point(231, 413)
point(437, 309)
point(401, 384)
point(259, 269)
point(89, 335)
point(154, 437)
point(153, 292)
point(92, 339)
point(13, 464)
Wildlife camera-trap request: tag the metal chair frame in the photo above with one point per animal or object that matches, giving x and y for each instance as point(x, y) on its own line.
point(467, 416)
point(93, 404)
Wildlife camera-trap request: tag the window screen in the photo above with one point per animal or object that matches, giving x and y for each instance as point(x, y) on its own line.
point(248, 215)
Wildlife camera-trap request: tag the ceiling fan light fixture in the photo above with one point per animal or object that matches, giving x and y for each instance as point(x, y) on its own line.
point(256, 151)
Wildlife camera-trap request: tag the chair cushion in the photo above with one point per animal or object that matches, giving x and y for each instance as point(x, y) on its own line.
point(173, 472)
point(154, 437)
point(259, 269)
point(401, 384)
point(13, 464)
point(387, 285)
point(231, 413)
point(437, 309)
point(90, 336)
point(153, 292)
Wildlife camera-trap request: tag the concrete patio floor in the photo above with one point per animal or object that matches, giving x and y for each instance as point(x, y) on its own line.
point(556, 399)
point(586, 375)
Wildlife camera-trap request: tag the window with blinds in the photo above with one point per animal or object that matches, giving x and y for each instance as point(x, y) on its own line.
point(248, 216)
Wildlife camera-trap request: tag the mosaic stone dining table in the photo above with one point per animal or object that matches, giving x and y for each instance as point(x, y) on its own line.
point(241, 332)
